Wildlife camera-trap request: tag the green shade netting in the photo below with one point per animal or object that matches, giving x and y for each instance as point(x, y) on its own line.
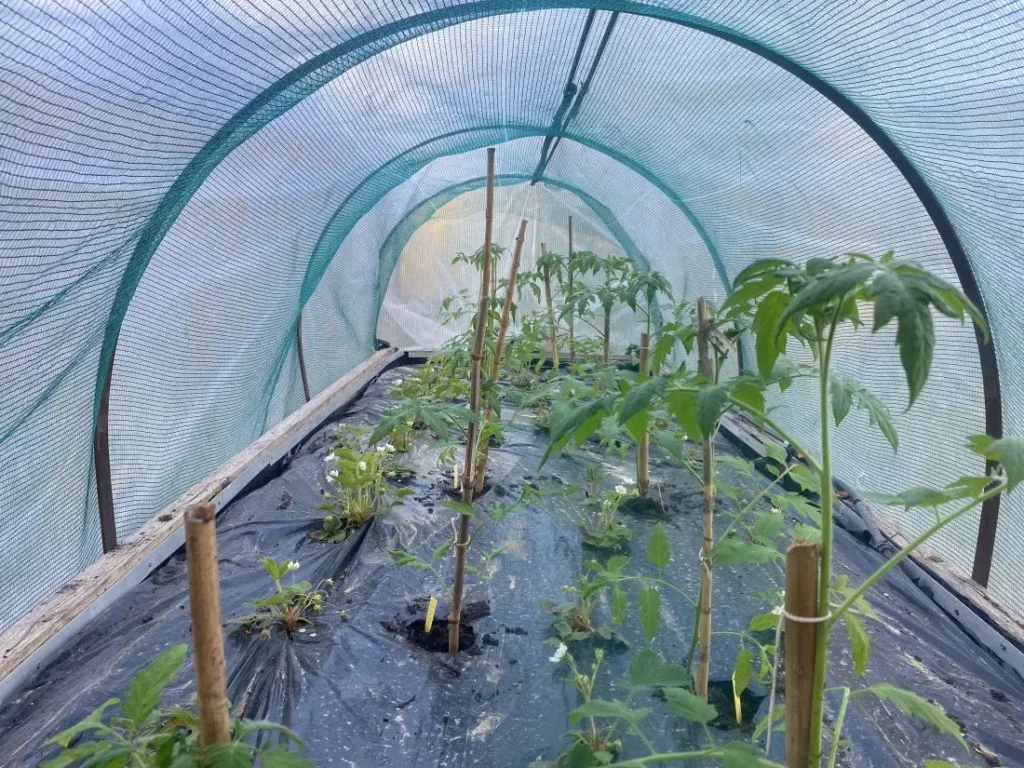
point(181, 180)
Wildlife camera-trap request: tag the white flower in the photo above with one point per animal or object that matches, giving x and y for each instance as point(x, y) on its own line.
point(560, 652)
point(362, 466)
point(398, 382)
point(621, 490)
point(389, 448)
point(293, 565)
point(777, 610)
point(328, 457)
point(381, 449)
point(333, 474)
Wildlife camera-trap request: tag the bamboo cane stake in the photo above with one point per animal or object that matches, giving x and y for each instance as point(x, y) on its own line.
point(643, 448)
point(506, 314)
point(551, 310)
point(468, 481)
point(572, 323)
point(801, 600)
point(207, 637)
point(706, 367)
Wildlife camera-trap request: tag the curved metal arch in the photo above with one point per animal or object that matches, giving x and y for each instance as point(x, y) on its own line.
point(379, 182)
point(319, 70)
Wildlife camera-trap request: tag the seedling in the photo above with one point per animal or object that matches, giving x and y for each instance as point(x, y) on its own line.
point(136, 731)
point(289, 607)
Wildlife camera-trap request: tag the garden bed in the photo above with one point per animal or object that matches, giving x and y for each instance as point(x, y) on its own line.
point(361, 694)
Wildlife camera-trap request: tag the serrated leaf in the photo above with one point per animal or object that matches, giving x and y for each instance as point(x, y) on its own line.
point(774, 451)
point(682, 404)
point(777, 715)
point(638, 399)
point(768, 344)
point(762, 622)
point(830, 285)
point(710, 401)
point(94, 719)
point(232, 755)
point(68, 757)
point(979, 443)
point(750, 394)
point(580, 422)
point(738, 754)
point(647, 669)
point(689, 706)
point(649, 601)
point(742, 672)
point(735, 551)
point(613, 709)
point(842, 399)
point(619, 604)
point(658, 549)
point(147, 685)
point(458, 507)
point(899, 295)
point(670, 442)
point(1009, 452)
point(860, 643)
point(917, 707)
point(281, 757)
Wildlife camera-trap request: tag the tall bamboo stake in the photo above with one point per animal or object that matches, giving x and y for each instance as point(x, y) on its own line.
point(506, 314)
point(207, 637)
point(706, 367)
point(572, 323)
point(643, 448)
point(551, 310)
point(801, 600)
point(468, 482)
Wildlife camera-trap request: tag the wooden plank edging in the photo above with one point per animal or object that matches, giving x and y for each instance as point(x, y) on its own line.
point(31, 642)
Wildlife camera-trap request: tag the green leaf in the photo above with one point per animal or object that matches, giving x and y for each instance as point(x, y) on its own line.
point(650, 611)
point(899, 295)
point(979, 443)
point(682, 404)
point(842, 398)
point(768, 344)
point(830, 285)
point(281, 757)
point(647, 669)
point(860, 643)
point(638, 399)
point(145, 689)
point(619, 604)
point(580, 423)
point(94, 720)
point(742, 670)
point(613, 709)
point(932, 763)
point(658, 550)
point(760, 267)
point(458, 507)
point(1009, 452)
point(735, 551)
point(920, 497)
point(689, 706)
point(738, 754)
point(762, 622)
point(779, 714)
point(710, 401)
point(233, 755)
point(71, 756)
point(878, 415)
point(774, 451)
point(750, 394)
point(670, 442)
point(917, 707)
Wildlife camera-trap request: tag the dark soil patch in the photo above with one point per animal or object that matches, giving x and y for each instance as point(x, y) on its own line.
point(457, 494)
point(720, 695)
point(642, 507)
point(436, 639)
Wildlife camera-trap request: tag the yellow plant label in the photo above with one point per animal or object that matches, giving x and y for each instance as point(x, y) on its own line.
point(431, 607)
point(736, 700)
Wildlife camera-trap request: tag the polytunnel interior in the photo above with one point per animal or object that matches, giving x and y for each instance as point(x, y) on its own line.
point(324, 165)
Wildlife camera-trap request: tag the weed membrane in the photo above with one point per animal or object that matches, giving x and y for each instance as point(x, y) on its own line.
point(363, 688)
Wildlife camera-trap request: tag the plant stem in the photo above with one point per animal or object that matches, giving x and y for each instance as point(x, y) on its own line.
point(825, 570)
point(706, 369)
point(607, 334)
point(667, 757)
point(837, 731)
point(906, 551)
point(462, 536)
point(551, 310)
point(643, 448)
point(572, 340)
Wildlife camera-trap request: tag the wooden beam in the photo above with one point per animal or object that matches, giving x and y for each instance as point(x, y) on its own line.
point(37, 637)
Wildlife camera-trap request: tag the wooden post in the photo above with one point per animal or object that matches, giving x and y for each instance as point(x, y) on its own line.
point(204, 600)
point(468, 480)
point(506, 313)
point(643, 448)
point(302, 357)
point(551, 310)
point(801, 600)
point(572, 323)
point(706, 367)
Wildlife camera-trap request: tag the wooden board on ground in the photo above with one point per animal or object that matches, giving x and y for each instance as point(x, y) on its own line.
point(38, 636)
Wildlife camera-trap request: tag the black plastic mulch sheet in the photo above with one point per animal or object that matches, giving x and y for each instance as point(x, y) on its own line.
point(361, 696)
